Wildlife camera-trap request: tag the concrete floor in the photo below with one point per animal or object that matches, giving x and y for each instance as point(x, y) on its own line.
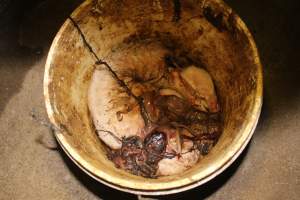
point(268, 169)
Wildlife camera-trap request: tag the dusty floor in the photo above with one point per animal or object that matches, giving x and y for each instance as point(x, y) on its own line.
point(268, 169)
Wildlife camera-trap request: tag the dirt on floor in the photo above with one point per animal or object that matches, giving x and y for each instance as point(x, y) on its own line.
point(34, 167)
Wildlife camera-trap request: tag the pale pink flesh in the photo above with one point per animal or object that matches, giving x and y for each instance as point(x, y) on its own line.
point(178, 164)
point(101, 98)
point(187, 155)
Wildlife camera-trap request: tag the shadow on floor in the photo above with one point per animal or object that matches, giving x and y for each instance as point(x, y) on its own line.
point(276, 30)
point(27, 29)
